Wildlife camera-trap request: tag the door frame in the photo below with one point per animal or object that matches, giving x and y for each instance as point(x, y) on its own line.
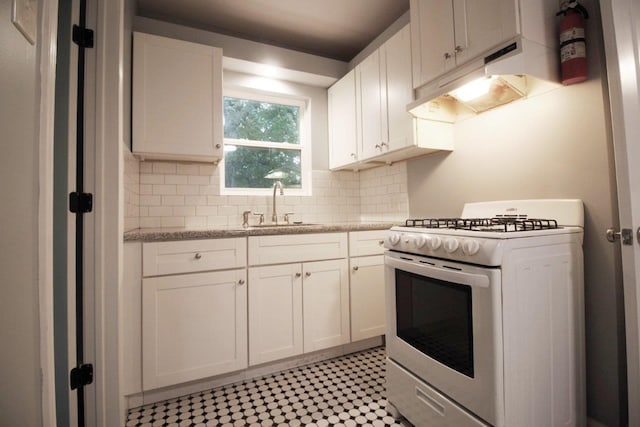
point(46, 59)
point(621, 32)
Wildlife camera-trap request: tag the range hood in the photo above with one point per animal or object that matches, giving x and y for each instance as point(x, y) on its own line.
point(517, 69)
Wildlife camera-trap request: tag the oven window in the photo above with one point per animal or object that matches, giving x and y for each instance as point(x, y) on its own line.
point(435, 317)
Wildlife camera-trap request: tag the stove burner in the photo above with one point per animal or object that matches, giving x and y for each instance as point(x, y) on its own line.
point(499, 223)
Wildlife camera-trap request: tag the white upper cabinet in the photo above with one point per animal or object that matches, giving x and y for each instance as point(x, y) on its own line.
point(449, 33)
point(342, 122)
point(371, 110)
point(177, 99)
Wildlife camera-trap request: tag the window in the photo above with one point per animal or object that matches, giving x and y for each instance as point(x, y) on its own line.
point(265, 140)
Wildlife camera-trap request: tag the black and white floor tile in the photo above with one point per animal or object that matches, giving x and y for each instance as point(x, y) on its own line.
point(347, 391)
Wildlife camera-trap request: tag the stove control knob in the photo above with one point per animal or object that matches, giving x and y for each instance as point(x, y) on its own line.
point(451, 245)
point(394, 239)
point(420, 242)
point(470, 247)
point(434, 243)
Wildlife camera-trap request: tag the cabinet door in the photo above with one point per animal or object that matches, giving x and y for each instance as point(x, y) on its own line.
point(275, 312)
point(396, 53)
point(325, 296)
point(177, 99)
point(342, 122)
point(194, 326)
point(367, 297)
point(370, 103)
point(432, 39)
point(481, 25)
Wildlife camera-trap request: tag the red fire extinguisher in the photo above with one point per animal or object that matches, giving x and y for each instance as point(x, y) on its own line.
point(573, 48)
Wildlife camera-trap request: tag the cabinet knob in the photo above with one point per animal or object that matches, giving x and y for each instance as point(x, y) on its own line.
point(218, 146)
point(307, 274)
point(380, 242)
point(355, 268)
point(298, 274)
point(447, 55)
point(459, 49)
point(353, 155)
point(198, 256)
point(241, 282)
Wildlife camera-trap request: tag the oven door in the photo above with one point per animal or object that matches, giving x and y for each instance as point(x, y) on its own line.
point(444, 324)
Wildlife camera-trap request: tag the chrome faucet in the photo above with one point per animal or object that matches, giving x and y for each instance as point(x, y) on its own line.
point(274, 216)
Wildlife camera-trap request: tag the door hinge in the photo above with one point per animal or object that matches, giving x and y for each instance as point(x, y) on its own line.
point(83, 37)
point(81, 376)
point(80, 202)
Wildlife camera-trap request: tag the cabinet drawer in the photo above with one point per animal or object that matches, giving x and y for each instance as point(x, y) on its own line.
point(161, 258)
point(362, 243)
point(296, 248)
point(421, 404)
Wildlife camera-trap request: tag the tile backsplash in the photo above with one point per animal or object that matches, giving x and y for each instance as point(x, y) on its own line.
point(177, 194)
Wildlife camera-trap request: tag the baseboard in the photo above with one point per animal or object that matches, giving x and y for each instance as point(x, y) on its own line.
point(160, 395)
point(594, 423)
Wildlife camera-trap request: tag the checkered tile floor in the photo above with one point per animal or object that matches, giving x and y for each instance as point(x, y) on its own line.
point(346, 391)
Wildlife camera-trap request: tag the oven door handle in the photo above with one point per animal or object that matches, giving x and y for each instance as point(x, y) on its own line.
point(442, 273)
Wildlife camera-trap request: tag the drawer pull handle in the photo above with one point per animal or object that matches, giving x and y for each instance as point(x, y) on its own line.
point(355, 268)
point(298, 274)
point(307, 274)
point(381, 242)
point(241, 282)
point(198, 256)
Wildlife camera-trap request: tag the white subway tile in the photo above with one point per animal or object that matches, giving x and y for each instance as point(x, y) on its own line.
point(160, 211)
point(150, 200)
point(146, 189)
point(217, 200)
point(151, 179)
point(195, 221)
point(146, 167)
point(213, 221)
point(175, 179)
point(150, 222)
point(174, 221)
point(199, 180)
point(207, 170)
point(206, 211)
point(195, 200)
point(227, 210)
point(144, 211)
point(172, 200)
point(188, 168)
point(184, 211)
point(188, 189)
point(164, 189)
point(164, 168)
point(209, 189)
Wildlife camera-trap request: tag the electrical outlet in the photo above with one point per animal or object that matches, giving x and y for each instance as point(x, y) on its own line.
point(23, 16)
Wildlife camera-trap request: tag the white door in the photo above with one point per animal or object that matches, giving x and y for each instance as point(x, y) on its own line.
point(193, 326)
point(342, 122)
point(275, 312)
point(325, 302)
point(367, 297)
point(370, 106)
point(621, 25)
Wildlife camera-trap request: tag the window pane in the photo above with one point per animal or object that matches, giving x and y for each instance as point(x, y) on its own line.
point(261, 121)
point(246, 167)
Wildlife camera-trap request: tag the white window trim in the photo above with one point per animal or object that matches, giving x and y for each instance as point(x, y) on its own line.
point(304, 146)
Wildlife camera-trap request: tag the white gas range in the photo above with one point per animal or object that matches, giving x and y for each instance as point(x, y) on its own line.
point(485, 316)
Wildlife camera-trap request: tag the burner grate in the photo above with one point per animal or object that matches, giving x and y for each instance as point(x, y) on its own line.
point(499, 223)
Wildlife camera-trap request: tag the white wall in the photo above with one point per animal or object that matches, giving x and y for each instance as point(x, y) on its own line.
point(556, 145)
point(20, 400)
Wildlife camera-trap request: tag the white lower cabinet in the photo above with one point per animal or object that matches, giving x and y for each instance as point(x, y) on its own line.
point(275, 312)
point(367, 297)
point(296, 308)
point(193, 326)
point(325, 296)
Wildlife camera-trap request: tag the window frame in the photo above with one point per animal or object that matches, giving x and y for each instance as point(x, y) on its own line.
point(304, 146)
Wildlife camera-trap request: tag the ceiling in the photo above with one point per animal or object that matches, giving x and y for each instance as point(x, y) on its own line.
point(337, 29)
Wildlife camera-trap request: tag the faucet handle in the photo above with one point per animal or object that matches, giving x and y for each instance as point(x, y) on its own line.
point(261, 215)
point(286, 216)
point(245, 219)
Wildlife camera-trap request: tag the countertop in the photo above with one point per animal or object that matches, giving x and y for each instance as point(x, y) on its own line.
point(182, 233)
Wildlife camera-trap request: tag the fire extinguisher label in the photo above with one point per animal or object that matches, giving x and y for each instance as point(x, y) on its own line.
point(573, 50)
point(571, 34)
